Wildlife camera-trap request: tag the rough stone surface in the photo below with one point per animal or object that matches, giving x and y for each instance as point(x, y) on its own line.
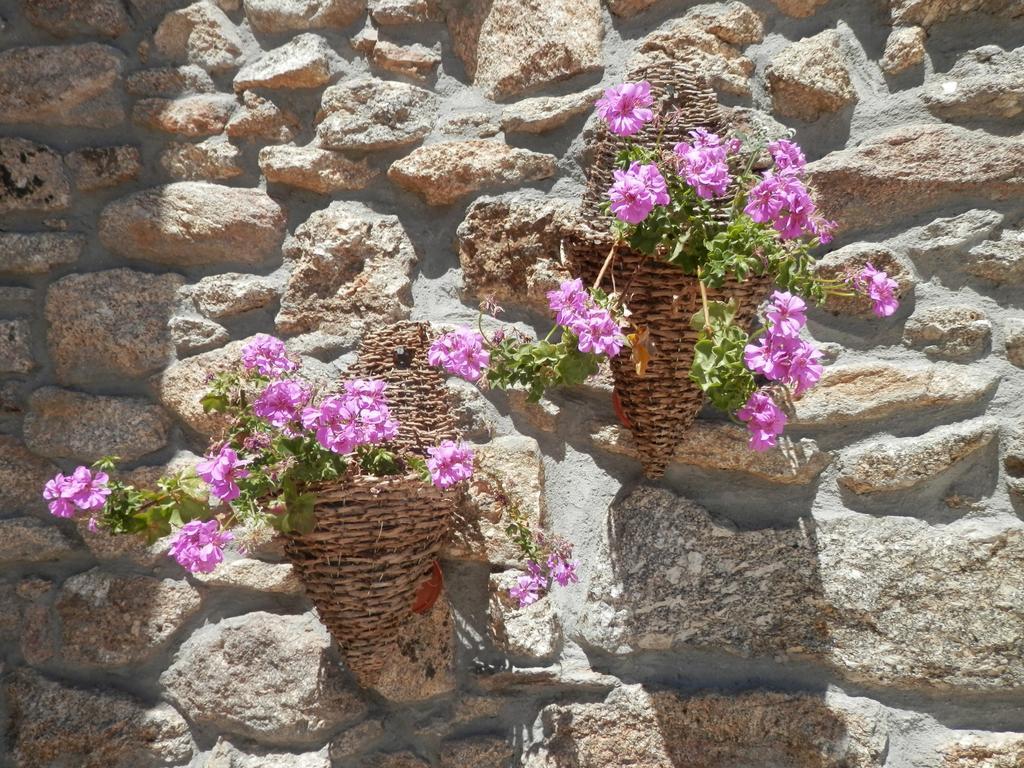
point(734, 22)
point(32, 177)
point(254, 575)
point(627, 8)
point(949, 331)
point(904, 463)
point(914, 169)
point(850, 260)
point(183, 383)
point(727, 70)
point(318, 170)
point(231, 293)
point(532, 633)
point(38, 253)
point(929, 12)
point(389, 12)
point(870, 391)
point(72, 425)
point(904, 48)
point(196, 334)
point(226, 755)
point(811, 78)
point(74, 85)
point(22, 475)
point(28, 540)
point(546, 113)
point(71, 18)
point(349, 268)
point(442, 173)
point(100, 167)
point(303, 62)
point(260, 118)
point(276, 16)
point(291, 692)
point(509, 249)
point(112, 621)
point(371, 114)
point(168, 82)
point(984, 751)
point(510, 474)
point(191, 223)
point(472, 125)
point(203, 114)
point(479, 752)
point(113, 321)
point(724, 447)
point(214, 159)
point(414, 61)
point(508, 47)
point(53, 725)
point(1000, 260)
point(200, 34)
point(987, 83)
point(662, 730)
point(1015, 341)
point(16, 346)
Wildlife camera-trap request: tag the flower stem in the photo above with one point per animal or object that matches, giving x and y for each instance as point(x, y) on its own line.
point(704, 302)
point(607, 261)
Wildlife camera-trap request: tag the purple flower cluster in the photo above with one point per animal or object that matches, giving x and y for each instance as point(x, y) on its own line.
point(626, 107)
point(461, 353)
point(358, 417)
point(83, 490)
point(704, 163)
point(533, 584)
point(781, 354)
point(764, 419)
point(450, 463)
point(878, 287)
point(221, 473)
point(266, 355)
point(199, 546)
point(280, 402)
point(782, 199)
point(636, 191)
point(594, 327)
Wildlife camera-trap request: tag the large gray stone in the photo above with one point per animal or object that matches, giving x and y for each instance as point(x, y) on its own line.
point(811, 77)
point(949, 331)
point(901, 464)
point(260, 118)
point(192, 223)
point(423, 664)
point(181, 386)
point(350, 270)
point(16, 346)
point(202, 114)
point(318, 170)
point(22, 476)
point(73, 425)
point(214, 159)
point(370, 114)
point(904, 48)
point(546, 113)
point(442, 173)
point(929, 12)
point(110, 324)
point(871, 391)
point(200, 34)
point(508, 47)
point(509, 249)
point(168, 82)
point(986, 83)
point(71, 18)
point(532, 634)
point(29, 540)
point(274, 679)
point(984, 750)
point(226, 755)
point(665, 730)
point(913, 169)
point(850, 260)
point(231, 293)
point(109, 621)
point(191, 334)
point(38, 253)
point(74, 85)
point(276, 16)
point(1000, 260)
point(101, 167)
point(32, 177)
point(55, 725)
point(302, 62)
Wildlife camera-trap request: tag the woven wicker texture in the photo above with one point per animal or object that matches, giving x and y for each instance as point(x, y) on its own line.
point(375, 539)
point(661, 404)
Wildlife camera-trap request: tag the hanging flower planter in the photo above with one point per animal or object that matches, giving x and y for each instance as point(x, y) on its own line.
point(685, 228)
point(361, 481)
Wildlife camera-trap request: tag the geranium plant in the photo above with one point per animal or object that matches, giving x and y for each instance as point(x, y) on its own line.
point(282, 439)
point(698, 205)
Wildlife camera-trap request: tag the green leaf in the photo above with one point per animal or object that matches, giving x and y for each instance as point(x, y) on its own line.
point(301, 514)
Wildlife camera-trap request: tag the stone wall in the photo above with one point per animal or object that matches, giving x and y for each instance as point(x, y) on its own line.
point(175, 178)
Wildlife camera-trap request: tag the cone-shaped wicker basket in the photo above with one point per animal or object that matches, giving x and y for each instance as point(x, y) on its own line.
point(375, 539)
point(661, 404)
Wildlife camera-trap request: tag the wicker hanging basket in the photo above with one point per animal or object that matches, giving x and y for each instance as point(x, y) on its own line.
point(376, 539)
point(660, 405)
